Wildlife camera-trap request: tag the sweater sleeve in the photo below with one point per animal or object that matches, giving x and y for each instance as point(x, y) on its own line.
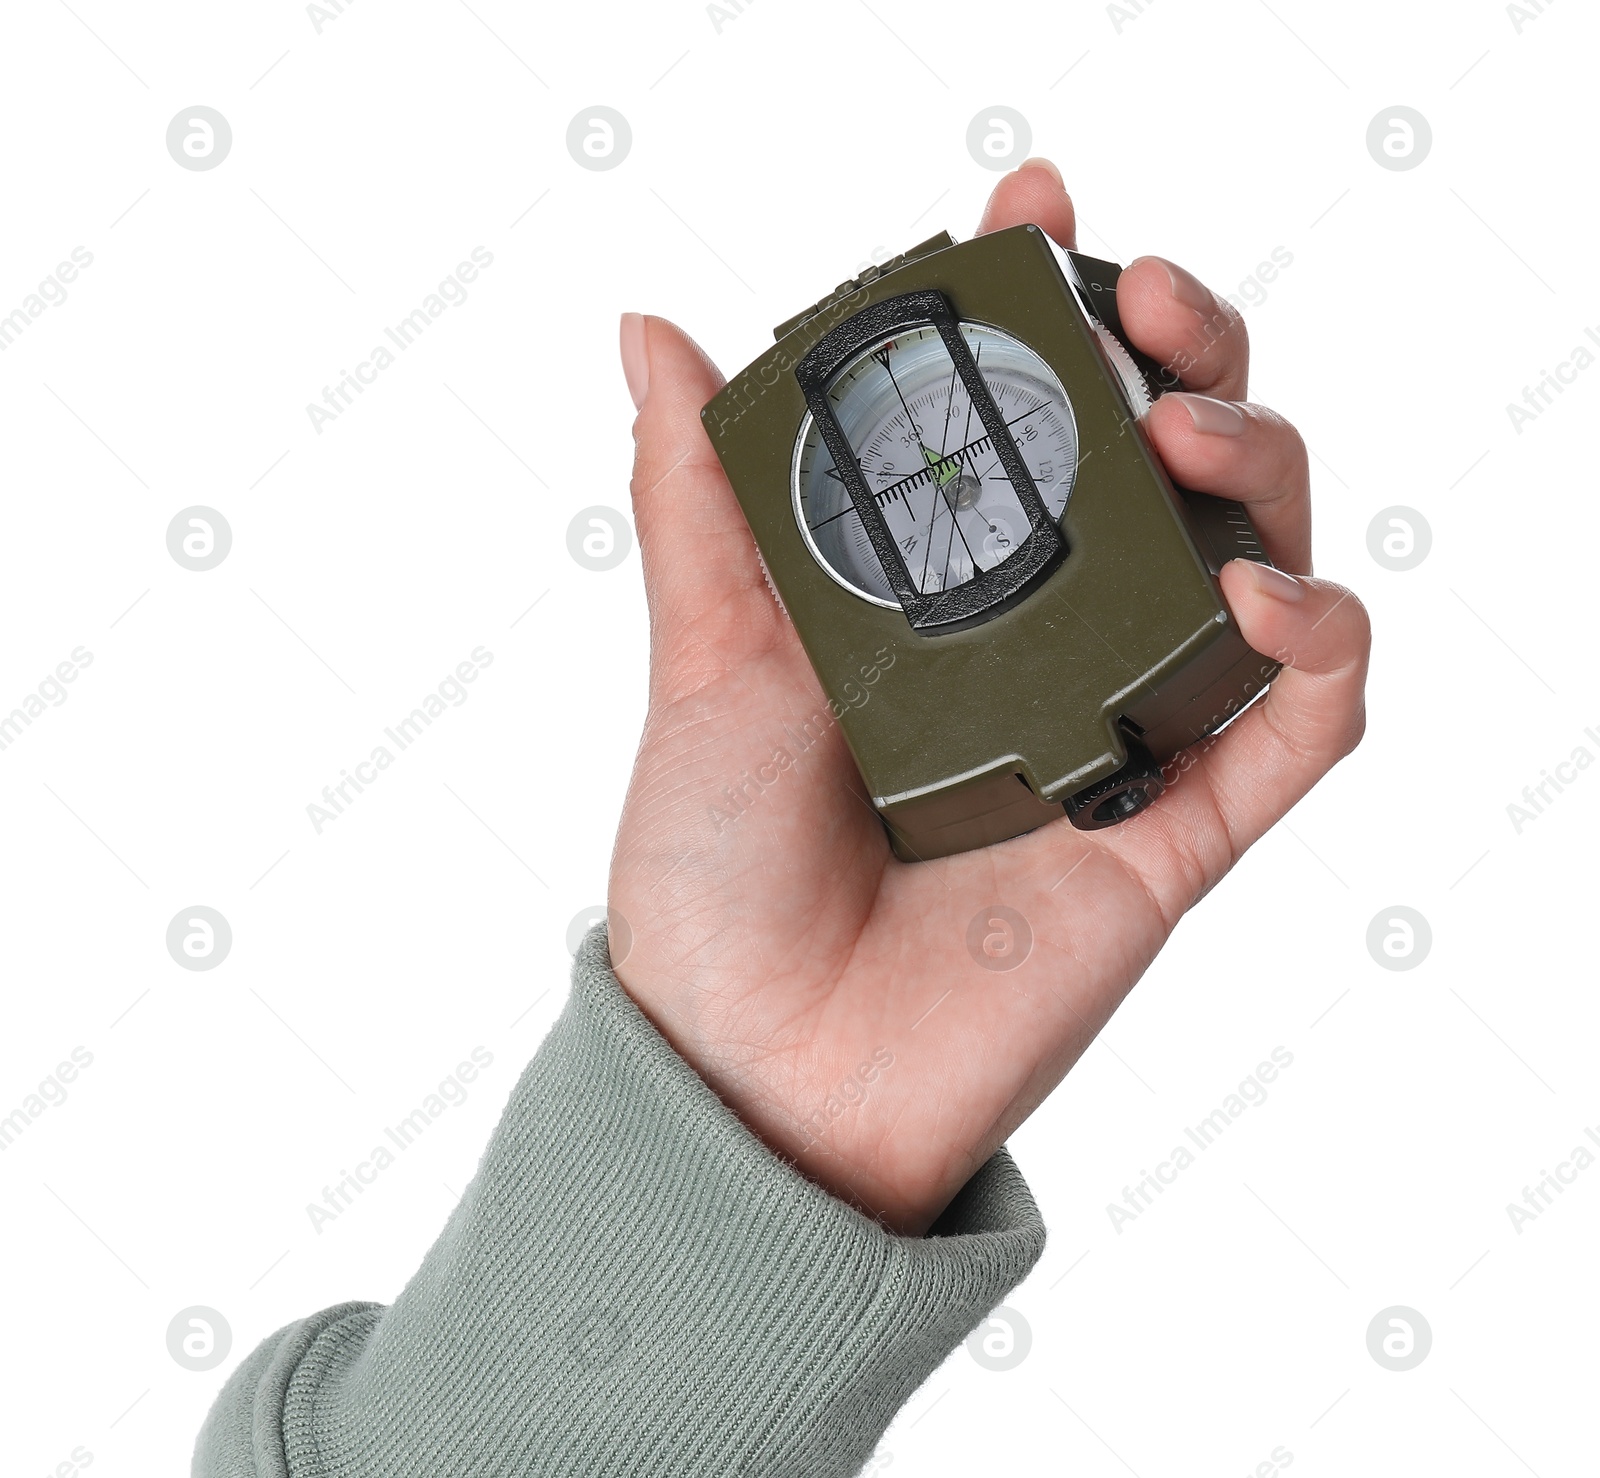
point(632, 1284)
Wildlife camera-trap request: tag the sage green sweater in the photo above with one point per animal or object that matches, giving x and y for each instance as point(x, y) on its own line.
point(632, 1284)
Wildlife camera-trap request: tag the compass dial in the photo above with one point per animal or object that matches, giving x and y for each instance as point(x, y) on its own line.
point(929, 462)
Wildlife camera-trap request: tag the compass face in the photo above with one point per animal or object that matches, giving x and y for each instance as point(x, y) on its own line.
point(929, 462)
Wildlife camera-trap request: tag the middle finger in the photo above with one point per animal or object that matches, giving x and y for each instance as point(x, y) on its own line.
point(1245, 452)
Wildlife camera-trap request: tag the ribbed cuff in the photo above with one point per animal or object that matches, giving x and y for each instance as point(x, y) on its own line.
point(632, 1284)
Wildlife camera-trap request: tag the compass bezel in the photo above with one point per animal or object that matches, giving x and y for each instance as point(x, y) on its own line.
point(803, 494)
point(988, 592)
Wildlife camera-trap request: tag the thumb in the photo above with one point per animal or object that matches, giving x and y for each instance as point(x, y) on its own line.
point(703, 580)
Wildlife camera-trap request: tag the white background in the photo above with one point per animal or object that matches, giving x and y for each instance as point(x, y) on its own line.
point(774, 152)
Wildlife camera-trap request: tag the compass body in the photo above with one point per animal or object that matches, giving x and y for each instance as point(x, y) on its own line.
point(944, 469)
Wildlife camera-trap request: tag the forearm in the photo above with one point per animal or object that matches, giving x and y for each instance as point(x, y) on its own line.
point(633, 1284)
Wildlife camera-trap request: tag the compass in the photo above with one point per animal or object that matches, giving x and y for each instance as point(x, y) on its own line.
point(944, 467)
point(929, 461)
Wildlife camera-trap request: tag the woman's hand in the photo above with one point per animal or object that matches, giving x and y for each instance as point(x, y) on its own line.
point(824, 989)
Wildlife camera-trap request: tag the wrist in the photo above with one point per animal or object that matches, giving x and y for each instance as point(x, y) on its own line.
point(840, 1118)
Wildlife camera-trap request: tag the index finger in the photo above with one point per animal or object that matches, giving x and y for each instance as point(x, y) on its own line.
point(1166, 311)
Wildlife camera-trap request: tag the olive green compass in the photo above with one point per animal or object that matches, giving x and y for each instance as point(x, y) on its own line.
point(943, 466)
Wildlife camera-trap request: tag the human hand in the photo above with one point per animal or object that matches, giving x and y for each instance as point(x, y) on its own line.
point(786, 954)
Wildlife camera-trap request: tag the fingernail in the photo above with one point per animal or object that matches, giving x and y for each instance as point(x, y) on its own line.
point(635, 357)
point(1047, 167)
point(1189, 289)
point(1274, 582)
point(1212, 417)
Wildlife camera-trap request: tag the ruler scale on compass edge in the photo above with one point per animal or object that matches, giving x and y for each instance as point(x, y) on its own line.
point(944, 460)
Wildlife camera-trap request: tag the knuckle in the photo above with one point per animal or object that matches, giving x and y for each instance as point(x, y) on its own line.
point(1358, 619)
point(1356, 729)
point(1282, 431)
point(1290, 455)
